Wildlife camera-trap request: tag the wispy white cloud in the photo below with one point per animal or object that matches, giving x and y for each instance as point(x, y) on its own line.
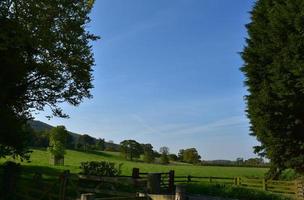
point(187, 129)
point(215, 126)
point(159, 17)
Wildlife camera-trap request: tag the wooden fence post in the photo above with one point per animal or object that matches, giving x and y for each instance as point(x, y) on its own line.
point(180, 193)
point(63, 184)
point(300, 190)
point(171, 181)
point(154, 183)
point(235, 181)
point(135, 173)
point(238, 181)
point(264, 184)
point(188, 178)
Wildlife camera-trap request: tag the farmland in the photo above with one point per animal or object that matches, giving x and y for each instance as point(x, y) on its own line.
point(40, 161)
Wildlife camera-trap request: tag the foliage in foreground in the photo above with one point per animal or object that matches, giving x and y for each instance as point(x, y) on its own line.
point(101, 168)
point(45, 60)
point(273, 68)
point(232, 192)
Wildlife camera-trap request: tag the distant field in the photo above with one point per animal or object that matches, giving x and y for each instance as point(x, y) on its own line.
point(40, 162)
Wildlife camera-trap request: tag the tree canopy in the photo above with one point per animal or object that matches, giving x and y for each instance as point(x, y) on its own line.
point(46, 59)
point(274, 70)
point(58, 138)
point(164, 157)
point(130, 149)
point(148, 153)
point(190, 155)
point(86, 142)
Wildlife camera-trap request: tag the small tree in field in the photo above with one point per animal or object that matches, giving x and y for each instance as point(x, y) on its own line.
point(164, 158)
point(130, 149)
point(191, 156)
point(57, 138)
point(86, 142)
point(173, 157)
point(148, 153)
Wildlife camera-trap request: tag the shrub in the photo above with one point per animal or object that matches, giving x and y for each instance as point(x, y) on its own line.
point(101, 168)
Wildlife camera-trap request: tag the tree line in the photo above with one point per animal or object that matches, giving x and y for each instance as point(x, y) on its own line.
point(133, 150)
point(47, 60)
point(58, 138)
point(42, 139)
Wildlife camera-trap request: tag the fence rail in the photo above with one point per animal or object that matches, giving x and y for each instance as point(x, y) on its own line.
point(294, 188)
point(58, 189)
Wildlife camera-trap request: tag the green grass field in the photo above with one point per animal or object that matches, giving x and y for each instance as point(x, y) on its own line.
point(40, 162)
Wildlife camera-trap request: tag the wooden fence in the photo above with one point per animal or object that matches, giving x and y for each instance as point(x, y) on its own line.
point(167, 179)
point(70, 186)
point(61, 188)
point(292, 188)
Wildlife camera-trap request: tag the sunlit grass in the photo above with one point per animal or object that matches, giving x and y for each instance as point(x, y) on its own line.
point(40, 160)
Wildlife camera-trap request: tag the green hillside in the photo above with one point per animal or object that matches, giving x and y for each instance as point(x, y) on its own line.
point(39, 126)
point(40, 161)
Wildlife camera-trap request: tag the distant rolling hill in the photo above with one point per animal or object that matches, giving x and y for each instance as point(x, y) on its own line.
point(41, 126)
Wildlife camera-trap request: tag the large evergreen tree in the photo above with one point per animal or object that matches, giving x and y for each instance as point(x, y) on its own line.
point(274, 70)
point(45, 59)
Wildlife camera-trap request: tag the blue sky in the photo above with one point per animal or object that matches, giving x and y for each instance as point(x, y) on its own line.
point(167, 73)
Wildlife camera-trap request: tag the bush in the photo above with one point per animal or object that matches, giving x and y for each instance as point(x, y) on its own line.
point(101, 168)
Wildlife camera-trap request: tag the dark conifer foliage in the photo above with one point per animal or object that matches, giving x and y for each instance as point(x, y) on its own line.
point(274, 70)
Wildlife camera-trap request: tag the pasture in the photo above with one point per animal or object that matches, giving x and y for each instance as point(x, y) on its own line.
point(40, 161)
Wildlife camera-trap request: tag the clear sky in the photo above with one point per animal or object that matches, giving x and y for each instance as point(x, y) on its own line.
point(167, 73)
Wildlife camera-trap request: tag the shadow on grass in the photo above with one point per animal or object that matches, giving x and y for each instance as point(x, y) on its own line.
point(228, 191)
point(98, 153)
point(30, 170)
point(42, 180)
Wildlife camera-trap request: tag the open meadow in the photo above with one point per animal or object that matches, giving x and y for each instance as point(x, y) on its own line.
point(40, 161)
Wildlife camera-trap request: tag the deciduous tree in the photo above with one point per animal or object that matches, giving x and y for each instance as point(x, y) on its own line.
point(57, 138)
point(46, 59)
point(148, 153)
point(164, 158)
point(100, 144)
point(190, 155)
point(130, 149)
point(86, 142)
